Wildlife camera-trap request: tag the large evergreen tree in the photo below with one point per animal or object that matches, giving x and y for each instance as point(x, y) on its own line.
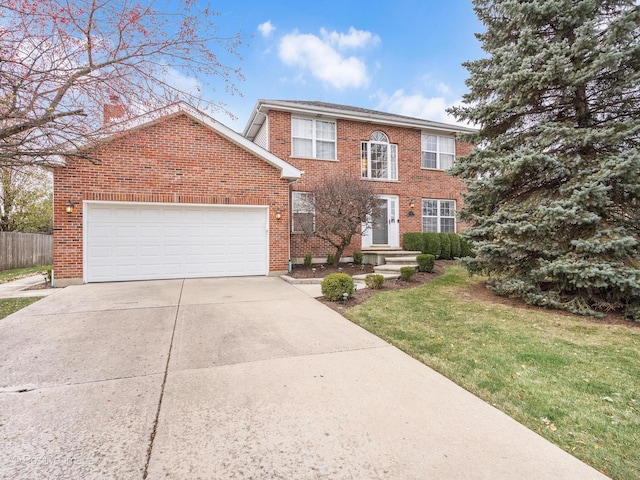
point(554, 185)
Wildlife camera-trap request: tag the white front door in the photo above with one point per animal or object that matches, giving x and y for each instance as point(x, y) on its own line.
point(384, 228)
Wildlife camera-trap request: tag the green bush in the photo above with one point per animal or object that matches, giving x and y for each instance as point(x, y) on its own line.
point(432, 244)
point(330, 258)
point(357, 258)
point(426, 262)
point(455, 245)
point(335, 285)
point(413, 241)
point(466, 250)
point(374, 281)
point(406, 273)
point(445, 243)
point(308, 258)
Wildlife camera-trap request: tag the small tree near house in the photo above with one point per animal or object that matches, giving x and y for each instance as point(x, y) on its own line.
point(343, 207)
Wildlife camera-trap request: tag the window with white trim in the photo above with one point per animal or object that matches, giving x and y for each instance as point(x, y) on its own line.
point(438, 215)
point(303, 216)
point(379, 158)
point(311, 138)
point(438, 151)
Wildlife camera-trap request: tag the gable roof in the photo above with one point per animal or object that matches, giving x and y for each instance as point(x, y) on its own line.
point(287, 170)
point(334, 110)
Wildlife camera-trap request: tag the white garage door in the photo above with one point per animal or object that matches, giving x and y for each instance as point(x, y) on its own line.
point(129, 241)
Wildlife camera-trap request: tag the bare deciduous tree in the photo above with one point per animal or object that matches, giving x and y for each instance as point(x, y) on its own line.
point(343, 208)
point(61, 61)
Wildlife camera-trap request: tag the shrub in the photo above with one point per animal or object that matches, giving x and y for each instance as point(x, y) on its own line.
point(432, 244)
point(330, 258)
point(426, 262)
point(406, 273)
point(445, 243)
point(455, 245)
point(466, 250)
point(357, 258)
point(335, 285)
point(374, 281)
point(308, 258)
point(413, 241)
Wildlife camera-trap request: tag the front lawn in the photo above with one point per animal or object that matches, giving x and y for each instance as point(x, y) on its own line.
point(573, 380)
point(9, 275)
point(11, 305)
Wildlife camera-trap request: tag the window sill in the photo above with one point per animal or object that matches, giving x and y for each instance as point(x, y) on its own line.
point(379, 180)
point(433, 169)
point(315, 159)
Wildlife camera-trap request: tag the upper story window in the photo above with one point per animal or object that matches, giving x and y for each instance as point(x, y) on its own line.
point(379, 158)
point(313, 138)
point(438, 215)
point(438, 151)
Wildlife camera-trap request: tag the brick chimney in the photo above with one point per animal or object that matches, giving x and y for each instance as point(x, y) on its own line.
point(112, 111)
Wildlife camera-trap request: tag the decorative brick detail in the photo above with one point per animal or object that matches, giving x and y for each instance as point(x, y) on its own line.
point(414, 182)
point(177, 160)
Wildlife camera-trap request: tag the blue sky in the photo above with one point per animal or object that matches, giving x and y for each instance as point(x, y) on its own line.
point(402, 57)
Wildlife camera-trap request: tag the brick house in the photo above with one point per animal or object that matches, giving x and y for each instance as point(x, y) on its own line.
point(176, 194)
point(173, 194)
point(406, 158)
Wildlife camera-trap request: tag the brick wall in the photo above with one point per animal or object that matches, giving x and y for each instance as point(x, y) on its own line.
point(176, 160)
point(413, 182)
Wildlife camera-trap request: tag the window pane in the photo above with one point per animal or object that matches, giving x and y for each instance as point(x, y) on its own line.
point(364, 159)
point(429, 143)
point(326, 150)
point(447, 208)
point(447, 225)
point(430, 208)
point(393, 162)
point(429, 160)
point(302, 222)
point(379, 161)
point(325, 130)
point(301, 127)
point(446, 161)
point(429, 224)
point(447, 145)
point(302, 148)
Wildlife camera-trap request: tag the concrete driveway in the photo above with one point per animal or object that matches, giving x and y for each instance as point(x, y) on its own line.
point(237, 379)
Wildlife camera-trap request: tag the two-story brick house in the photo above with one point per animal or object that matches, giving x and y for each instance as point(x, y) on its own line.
point(405, 158)
point(176, 194)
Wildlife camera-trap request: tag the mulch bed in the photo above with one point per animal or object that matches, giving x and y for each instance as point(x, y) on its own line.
point(419, 278)
point(321, 270)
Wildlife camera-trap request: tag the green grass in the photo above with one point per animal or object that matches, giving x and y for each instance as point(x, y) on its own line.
point(572, 380)
point(9, 275)
point(11, 305)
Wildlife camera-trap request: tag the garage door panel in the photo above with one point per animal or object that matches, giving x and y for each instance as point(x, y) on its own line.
point(142, 241)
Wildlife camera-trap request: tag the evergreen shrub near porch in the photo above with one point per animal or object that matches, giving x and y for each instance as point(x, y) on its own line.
point(444, 246)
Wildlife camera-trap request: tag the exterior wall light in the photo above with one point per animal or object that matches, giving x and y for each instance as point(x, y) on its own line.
point(70, 207)
point(412, 203)
point(278, 214)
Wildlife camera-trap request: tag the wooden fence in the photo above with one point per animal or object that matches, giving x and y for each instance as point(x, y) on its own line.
point(20, 250)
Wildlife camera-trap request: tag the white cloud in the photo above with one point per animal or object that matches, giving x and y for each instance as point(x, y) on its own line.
point(182, 82)
point(266, 28)
point(417, 105)
point(353, 39)
point(319, 57)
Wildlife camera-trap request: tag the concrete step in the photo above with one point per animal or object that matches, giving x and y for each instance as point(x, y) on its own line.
point(380, 256)
point(404, 261)
point(392, 268)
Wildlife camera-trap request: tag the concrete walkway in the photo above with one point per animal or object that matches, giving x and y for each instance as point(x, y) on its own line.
point(20, 288)
point(237, 379)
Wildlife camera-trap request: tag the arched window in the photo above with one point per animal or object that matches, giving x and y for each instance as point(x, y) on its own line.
point(379, 158)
